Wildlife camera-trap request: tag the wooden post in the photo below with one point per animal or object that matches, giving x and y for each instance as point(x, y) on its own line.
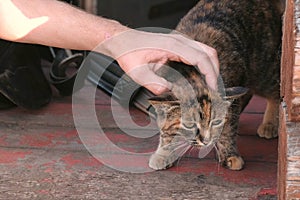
point(289, 133)
point(290, 64)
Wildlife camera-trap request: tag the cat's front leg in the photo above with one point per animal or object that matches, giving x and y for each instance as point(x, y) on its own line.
point(226, 146)
point(269, 127)
point(228, 154)
point(166, 153)
point(160, 160)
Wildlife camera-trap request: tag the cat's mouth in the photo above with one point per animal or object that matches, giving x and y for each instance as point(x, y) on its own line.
point(199, 144)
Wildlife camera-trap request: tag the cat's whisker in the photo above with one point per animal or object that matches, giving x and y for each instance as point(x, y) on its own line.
point(178, 146)
point(218, 157)
point(190, 150)
point(217, 151)
point(183, 145)
point(178, 143)
point(184, 150)
point(174, 142)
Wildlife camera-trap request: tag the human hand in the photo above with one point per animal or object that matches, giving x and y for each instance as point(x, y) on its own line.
point(140, 54)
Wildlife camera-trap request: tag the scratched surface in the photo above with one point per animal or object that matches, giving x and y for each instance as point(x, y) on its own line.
point(43, 157)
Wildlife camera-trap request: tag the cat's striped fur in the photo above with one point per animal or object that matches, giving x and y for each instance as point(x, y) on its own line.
point(247, 37)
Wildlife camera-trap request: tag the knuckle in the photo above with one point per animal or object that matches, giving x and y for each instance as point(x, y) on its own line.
point(213, 52)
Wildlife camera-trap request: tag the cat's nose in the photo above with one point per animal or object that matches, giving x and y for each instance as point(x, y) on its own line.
point(204, 139)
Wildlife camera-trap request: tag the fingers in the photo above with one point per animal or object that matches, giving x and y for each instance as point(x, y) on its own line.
point(145, 76)
point(210, 67)
point(135, 48)
point(198, 54)
point(207, 64)
point(213, 55)
point(211, 81)
point(160, 88)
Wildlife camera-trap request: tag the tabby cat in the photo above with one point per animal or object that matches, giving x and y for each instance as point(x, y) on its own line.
point(247, 37)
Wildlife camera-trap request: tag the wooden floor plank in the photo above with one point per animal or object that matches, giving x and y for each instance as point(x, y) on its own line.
point(47, 141)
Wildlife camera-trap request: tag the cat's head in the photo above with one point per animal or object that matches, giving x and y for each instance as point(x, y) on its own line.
point(200, 123)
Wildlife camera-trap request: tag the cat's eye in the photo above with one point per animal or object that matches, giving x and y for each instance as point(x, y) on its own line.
point(189, 125)
point(216, 122)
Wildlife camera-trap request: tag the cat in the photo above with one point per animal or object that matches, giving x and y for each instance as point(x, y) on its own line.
point(247, 37)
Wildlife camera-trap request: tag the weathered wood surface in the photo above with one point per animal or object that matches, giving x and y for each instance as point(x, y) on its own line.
point(289, 137)
point(42, 156)
point(291, 60)
point(289, 159)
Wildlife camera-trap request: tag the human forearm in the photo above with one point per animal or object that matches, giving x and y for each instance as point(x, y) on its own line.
point(140, 54)
point(54, 23)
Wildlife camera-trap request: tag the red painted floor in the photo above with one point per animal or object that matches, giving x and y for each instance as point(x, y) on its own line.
point(37, 147)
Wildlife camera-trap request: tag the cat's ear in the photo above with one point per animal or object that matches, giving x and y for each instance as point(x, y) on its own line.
point(164, 101)
point(235, 92)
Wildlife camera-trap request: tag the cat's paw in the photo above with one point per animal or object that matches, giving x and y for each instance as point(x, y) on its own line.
point(159, 162)
point(267, 130)
point(234, 163)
